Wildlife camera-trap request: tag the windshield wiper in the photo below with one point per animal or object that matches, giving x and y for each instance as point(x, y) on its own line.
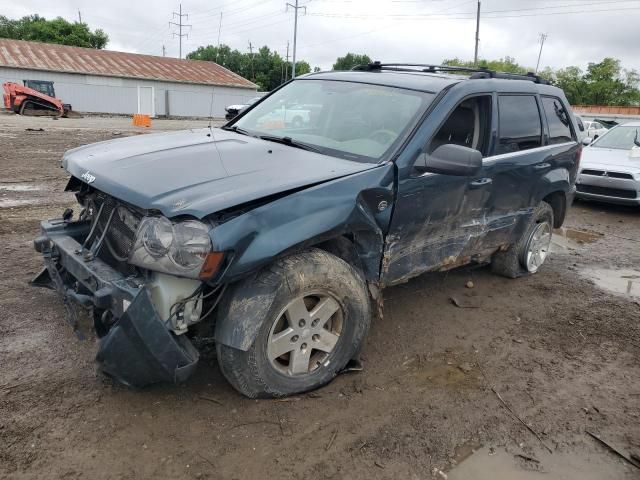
point(237, 129)
point(291, 142)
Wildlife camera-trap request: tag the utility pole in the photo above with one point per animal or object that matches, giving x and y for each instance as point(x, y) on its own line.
point(253, 76)
point(179, 14)
point(286, 65)
point(295, 34)
point(475, 55)
point(164, 51)
point(219, 29)
point(79, 17)
point(543, 37)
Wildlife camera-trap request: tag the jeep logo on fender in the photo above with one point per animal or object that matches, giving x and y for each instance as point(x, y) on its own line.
point(86, 176)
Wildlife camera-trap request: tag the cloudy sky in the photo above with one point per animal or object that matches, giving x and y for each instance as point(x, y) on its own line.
point(420, 31)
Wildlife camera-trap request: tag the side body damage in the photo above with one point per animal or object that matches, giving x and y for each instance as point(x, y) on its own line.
point(347, 208)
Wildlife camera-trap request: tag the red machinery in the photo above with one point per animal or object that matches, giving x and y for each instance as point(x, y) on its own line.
point(28, 101)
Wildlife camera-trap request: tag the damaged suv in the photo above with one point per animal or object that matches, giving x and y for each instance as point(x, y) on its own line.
point(275, 238)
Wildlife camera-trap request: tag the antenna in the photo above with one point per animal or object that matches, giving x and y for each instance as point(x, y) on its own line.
point(211, 108)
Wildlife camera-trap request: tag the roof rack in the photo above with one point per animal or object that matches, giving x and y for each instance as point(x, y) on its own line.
point(476, 73)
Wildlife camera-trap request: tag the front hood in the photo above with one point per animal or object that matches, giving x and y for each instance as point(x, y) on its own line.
point(199, 172)
point(235, 107)
point(609, 159)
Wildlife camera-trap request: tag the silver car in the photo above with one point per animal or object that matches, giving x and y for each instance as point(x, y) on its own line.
point(610, 167)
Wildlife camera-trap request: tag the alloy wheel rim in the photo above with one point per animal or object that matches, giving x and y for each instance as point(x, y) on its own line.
point(538, 247)
point(305, 334)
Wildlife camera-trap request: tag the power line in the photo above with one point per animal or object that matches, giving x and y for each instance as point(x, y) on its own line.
point(179, 14)
point(493, 13)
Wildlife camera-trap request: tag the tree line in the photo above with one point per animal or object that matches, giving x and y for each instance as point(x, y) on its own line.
point(38, 29)
point(602, 83)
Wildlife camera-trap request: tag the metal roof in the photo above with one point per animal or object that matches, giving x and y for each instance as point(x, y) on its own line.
point(89, 61)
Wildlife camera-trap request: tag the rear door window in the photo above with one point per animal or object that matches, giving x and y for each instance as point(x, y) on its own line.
point(520, 126)
point(558, 120)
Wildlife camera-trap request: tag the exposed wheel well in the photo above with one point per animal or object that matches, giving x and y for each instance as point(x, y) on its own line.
point(558, 202)
point(343, 247)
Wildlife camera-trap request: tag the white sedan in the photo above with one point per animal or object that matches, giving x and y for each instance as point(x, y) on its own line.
point(593, 129)
point(610, 167)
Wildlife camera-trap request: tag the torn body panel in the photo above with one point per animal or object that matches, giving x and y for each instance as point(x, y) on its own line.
point(347, 206)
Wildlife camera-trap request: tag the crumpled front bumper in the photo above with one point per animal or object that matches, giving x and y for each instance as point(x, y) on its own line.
point(137, 349)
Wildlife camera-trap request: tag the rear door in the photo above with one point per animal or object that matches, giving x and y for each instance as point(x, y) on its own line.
point(518, 160)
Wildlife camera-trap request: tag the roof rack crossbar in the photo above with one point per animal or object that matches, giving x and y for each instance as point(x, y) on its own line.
point(476, 72)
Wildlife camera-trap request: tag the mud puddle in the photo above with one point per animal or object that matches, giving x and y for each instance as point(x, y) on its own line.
point(565, 239)
point(619, 281)
point(497, 464)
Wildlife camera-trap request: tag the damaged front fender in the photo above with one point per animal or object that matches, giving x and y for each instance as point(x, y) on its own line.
point(358, 205)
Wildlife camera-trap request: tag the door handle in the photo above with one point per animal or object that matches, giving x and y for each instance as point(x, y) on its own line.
point(481, 182)
point(541, 166)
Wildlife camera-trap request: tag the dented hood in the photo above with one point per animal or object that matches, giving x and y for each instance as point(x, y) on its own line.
point(199, 172)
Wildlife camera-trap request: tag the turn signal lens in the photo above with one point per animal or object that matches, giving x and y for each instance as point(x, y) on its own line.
point(211, 265)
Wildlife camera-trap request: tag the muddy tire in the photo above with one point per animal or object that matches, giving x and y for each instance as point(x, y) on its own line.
point(316, 323)
point(520, 259)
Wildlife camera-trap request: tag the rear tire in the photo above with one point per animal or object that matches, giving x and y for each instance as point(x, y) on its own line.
point(316, 324)
point(528, 254)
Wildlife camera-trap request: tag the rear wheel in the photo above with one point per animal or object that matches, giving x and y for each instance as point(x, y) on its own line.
point(531, 250)
point(315, 325)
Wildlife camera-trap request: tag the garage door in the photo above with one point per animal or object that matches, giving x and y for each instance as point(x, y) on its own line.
point(145, 101)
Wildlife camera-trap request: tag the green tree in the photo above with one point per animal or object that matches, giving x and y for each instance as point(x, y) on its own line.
point(570, 79)
point(351, 60)
point(506, 64)
point(265, 67)
point(39, 29)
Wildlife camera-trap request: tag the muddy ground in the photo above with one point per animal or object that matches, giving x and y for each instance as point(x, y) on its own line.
point(560, 350)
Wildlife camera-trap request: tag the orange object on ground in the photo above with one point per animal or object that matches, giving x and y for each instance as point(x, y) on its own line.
point(141, 120)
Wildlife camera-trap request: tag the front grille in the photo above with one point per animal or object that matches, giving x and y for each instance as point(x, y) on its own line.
point(120, 237)
point(602, 173)
point(609, 192)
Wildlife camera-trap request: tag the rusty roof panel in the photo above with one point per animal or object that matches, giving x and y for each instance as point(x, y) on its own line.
point(63, 58)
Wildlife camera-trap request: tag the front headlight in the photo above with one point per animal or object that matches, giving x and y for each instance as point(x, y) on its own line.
point(177, 248)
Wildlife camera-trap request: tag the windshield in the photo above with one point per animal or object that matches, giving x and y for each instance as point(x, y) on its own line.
point(355, 121)
point(618, 137)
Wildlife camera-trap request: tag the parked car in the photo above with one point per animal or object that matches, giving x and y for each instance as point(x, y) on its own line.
point(610, 167)
point(282, 116)
point(233, 110)
point(594, 129)
point(276, 242)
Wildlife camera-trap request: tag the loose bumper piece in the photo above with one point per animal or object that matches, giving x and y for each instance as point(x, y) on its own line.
point(137, 350)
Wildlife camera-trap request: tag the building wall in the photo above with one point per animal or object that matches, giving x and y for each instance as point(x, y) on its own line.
point(98, 94)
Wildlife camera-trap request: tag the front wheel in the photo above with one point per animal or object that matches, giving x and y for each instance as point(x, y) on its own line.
point(531, 250)
point(316, 324)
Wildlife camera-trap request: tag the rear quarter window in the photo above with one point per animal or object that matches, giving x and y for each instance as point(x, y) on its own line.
point(558, 120)
point(519, 123)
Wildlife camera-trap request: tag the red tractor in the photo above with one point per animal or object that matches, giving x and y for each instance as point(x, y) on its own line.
point(35, 97)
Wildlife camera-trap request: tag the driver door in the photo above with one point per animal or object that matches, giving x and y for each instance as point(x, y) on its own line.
point(439, 220)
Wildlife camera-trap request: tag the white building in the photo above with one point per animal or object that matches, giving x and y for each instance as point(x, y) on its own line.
point(104, 81)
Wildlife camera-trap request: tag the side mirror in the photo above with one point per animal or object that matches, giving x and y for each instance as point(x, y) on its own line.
point(587, 141)
point(450, 159)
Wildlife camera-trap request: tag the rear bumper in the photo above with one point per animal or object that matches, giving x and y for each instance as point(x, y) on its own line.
point(137, 349)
